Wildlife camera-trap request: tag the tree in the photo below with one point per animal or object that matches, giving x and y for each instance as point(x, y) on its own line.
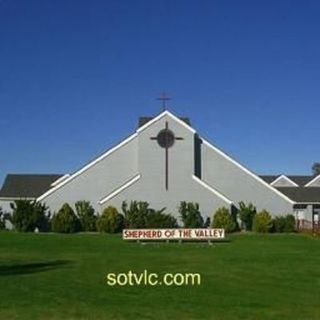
point(65, 221)
point(159, 219)
point(222, 218)
point(139, 215)
point(262, 222)
point(136, 214)
point(85, 213)
point(28, 215)
point(246, 214)
point(316, 168)
point(110, 221)
point(190, 215)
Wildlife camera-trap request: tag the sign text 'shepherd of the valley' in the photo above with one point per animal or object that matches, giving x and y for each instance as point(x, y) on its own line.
point(173, 234)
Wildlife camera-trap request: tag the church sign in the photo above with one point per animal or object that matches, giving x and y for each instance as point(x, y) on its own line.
point(173, 234)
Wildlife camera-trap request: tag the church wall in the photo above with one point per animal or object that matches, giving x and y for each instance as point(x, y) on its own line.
point(151, 162)
point(238, 185)
point(143, 155)
point(189, 191)
point(152, 156)
point(102, 178)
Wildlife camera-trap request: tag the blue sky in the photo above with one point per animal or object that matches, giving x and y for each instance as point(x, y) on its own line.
point(76, 75)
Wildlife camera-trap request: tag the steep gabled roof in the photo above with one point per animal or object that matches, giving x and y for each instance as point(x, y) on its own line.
point(107, 153)
point(27, 185)
point(144, 120)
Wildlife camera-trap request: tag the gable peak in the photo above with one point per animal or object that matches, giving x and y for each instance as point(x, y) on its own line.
point(146, 119)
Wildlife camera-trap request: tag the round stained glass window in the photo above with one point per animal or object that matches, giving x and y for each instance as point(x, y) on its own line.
point(165, 138)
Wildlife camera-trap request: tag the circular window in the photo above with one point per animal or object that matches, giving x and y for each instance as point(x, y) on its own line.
point(165, 138)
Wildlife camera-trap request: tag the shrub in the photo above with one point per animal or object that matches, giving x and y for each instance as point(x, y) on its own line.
point(139, 215)
point(28, 215)
point(262, 222)
point(279, 224)
point(85, 213)
point(290, 225)
point(136, 214)
point(110, 221)
point(158, 219)
point(190, 215)
point(247, 213)
point(284, 224)
point(65, 221)
point(222, 218)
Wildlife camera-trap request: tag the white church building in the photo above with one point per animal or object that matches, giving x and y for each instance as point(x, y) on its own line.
point(163, 162)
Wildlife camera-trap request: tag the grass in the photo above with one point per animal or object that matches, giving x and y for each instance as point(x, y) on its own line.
point(50, 276)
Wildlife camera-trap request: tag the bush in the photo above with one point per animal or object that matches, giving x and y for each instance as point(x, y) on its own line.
point(158, 219)
point(136, 215)
point(279, 224)
point(246, 215)
point(65, 221)
point(28, 215)
point(110, 221)
point(85, 213)
point(290, 223)
point(190, 215)
point(284, 223)
point(222, 218)
point(262, 222)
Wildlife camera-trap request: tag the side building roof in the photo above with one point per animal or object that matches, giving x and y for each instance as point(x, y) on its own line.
point(302, 194)
point(299, 180)
point(27, 185)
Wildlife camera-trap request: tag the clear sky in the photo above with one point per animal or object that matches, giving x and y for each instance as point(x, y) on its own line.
point(76, 75)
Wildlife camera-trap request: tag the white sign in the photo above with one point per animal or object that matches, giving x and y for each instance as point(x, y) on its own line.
point(172, 234)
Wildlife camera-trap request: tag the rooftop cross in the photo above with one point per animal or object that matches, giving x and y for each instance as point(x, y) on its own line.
point(164, 98)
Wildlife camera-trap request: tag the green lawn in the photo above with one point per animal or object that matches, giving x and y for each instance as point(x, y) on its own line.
point(50, 276)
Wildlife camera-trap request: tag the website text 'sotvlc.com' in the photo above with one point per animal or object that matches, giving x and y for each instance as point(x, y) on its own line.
point(146, 278)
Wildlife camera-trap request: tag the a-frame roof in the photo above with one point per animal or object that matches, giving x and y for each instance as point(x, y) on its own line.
point(142, 128)
point(108, 152)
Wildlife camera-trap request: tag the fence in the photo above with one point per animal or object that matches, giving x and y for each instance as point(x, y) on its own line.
point(308, 225)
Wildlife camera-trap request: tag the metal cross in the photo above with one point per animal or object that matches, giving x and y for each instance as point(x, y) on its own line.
point(166, 139)
point(164, 98)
